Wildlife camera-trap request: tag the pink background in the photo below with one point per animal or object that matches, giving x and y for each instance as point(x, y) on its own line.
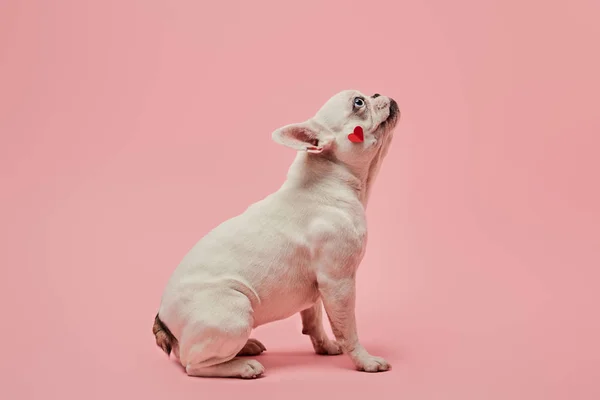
point(131, 128)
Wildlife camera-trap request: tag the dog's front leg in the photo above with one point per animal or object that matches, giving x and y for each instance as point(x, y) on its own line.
point(339, 297)
point(312, 325)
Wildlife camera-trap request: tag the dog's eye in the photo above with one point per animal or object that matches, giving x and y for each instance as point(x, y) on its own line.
point(359, 102)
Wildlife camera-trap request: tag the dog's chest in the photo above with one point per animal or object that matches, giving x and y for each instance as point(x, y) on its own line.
point(329, 237)
point(340, 229)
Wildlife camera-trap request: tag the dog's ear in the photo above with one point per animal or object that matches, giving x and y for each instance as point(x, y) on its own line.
point(305, 136)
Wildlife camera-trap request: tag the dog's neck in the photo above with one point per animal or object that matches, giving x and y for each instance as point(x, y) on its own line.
point(309, 171)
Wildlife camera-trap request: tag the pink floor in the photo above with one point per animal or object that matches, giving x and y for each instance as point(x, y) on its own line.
point(130, 128)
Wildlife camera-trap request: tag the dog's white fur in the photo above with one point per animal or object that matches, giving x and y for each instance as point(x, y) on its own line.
point(292, 252)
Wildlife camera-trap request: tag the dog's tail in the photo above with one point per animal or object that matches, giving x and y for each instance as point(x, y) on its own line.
point(164, 338)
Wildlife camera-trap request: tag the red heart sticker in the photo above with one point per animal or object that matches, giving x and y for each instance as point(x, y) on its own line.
point(357, 136)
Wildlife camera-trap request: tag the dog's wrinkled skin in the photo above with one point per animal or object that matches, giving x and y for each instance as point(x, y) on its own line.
point(292, 252)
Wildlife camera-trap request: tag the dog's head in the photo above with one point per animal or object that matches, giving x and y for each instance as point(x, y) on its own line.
point(335, 130)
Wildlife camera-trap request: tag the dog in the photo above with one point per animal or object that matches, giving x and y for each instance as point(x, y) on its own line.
point(295, 251)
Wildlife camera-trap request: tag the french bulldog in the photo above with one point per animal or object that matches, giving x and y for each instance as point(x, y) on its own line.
point(295, 251)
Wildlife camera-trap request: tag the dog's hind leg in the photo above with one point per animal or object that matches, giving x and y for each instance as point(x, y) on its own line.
point(210, 343)
point(252, 348)
point(215, 355)
point(236, 368)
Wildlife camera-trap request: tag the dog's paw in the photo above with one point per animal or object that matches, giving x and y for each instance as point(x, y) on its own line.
point(251, 369)
point(372, 364)
point(328, 348)
point(252, 348)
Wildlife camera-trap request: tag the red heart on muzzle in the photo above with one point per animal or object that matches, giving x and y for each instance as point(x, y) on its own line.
point(357, 136)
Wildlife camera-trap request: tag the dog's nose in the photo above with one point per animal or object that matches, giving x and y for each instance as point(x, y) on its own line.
point(376, 95)
point(394, 109)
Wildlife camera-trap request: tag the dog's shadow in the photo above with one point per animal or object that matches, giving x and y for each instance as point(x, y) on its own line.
point(278, 360)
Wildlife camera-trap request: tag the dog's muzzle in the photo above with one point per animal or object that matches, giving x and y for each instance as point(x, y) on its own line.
point(393, 116)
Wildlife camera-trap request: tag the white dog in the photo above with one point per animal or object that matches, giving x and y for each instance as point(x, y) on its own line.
point(292, 252)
